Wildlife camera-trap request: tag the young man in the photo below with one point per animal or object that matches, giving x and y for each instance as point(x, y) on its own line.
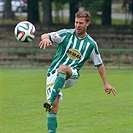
point(75, 46)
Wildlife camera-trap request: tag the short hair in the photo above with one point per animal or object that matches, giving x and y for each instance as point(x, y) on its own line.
point(83, 14)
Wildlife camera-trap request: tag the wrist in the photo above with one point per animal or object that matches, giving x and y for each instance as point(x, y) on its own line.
point(45, 36)
point(105, 83)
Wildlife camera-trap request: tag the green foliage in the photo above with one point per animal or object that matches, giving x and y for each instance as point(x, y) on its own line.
point(127, 5)
point(85, 108)
point(93, 6)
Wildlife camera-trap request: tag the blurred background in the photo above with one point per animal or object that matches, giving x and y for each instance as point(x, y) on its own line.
point(111, 27)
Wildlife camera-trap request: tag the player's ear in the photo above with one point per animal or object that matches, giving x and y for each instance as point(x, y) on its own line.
point(87, 24)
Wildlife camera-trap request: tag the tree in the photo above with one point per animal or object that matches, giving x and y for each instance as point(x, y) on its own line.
point(33, 11)
point(8, 13)
point(58, 6)
point(47, 14)
point(93, 6)
point(106, 12)
point(128, 8)
point(73, 10)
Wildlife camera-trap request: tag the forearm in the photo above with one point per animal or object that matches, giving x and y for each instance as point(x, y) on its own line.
point(102, 72)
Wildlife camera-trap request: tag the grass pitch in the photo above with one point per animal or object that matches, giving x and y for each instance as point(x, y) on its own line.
point(86, 108)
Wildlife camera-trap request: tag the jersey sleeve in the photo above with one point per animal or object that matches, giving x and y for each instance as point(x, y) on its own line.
point(58, 36)
point(95, 56)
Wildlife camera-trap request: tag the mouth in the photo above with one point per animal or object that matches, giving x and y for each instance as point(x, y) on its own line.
point(78, 30)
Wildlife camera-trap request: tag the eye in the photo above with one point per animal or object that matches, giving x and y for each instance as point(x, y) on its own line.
point(81, 23)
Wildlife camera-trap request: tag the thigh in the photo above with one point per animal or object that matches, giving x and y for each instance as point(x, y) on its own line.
point(72, 80)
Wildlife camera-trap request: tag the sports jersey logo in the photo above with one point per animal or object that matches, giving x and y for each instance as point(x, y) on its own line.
point(74, 54)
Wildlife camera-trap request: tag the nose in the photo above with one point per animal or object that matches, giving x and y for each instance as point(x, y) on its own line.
point(77, 24)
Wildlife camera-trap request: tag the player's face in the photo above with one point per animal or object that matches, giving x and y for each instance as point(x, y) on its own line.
point(81, 26)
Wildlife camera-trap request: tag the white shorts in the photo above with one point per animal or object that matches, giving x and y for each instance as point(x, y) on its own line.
point(68, 83)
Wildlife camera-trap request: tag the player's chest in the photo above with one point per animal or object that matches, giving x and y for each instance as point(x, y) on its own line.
point(76, 45)
point(76, 49)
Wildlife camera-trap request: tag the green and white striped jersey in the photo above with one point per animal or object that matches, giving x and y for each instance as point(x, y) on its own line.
point(72, 50)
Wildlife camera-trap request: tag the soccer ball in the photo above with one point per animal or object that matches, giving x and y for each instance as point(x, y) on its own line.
point(24, 31)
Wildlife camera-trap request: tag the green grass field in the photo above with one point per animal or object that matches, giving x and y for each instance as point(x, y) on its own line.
point(86, 108)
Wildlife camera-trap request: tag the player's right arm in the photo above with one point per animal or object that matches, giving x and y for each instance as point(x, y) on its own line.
point(49, 38)
point(45, 41)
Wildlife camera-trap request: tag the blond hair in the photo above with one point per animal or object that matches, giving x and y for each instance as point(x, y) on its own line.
point(83, 14)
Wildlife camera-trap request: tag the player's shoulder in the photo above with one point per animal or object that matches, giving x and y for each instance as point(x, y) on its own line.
point(91, 40)
point(71, 31)
point(65, 31)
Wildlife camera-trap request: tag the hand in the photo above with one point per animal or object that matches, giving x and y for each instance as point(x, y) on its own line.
point(45, 43)
point(108, 89)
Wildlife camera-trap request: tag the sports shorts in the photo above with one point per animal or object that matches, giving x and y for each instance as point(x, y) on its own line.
point(68, 83)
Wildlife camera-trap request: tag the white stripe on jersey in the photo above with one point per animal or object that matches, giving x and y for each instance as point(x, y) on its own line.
point(80, 47)
point(64, 54)
point(86, 49)
point(75, 41)
point(74, 45)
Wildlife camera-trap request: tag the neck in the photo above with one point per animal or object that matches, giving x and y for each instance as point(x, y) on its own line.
point(81, 35)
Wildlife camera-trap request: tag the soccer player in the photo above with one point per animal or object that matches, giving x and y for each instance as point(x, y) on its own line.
point(75, 46)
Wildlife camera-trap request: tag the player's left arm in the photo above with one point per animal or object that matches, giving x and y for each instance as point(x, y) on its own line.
point(95, 56)
point(107, 87)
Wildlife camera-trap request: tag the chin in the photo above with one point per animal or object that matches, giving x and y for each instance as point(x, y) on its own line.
point(79, 33)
